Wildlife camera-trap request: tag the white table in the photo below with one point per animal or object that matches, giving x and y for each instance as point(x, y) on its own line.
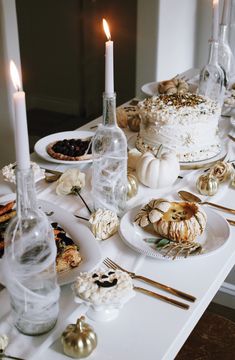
point(146, 327)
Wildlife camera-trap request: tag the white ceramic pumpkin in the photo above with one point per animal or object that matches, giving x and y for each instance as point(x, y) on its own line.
point(158, 171)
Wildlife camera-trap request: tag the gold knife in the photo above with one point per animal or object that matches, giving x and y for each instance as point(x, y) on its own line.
point(162, 297)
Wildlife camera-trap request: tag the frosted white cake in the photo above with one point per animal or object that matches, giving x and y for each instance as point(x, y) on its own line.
point(186, 124)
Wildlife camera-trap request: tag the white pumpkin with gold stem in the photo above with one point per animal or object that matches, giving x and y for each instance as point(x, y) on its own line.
point(160, 170)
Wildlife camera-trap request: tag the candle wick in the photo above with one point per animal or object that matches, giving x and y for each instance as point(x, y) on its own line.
point(17, 88)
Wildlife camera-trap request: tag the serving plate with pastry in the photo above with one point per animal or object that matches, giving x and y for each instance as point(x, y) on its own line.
point(68, 147)
point(173, 230)
point(77, 248)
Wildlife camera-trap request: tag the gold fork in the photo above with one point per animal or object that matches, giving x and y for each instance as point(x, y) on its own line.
point(110, 263)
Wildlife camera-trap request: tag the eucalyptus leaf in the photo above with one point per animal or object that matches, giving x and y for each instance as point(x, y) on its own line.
point(151, 240)
point(162, 242)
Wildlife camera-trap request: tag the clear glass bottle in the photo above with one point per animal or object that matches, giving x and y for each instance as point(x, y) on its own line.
point(211, 80)
point(225, 56)
point(109, 169)
point(29, 263)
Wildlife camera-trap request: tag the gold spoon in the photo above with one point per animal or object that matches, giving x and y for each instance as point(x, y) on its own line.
point(187, 196)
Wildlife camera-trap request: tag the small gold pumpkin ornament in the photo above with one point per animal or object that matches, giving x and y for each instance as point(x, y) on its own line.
point(207, 184)
point(132, 185)
point(79, 340)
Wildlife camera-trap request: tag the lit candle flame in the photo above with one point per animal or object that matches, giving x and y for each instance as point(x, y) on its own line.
point(215, 3)
point(106, 29)
point(15, 76)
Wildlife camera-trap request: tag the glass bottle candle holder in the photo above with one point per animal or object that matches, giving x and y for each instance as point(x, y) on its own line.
point(211, 80)
point(225, 55)
point(109, 168)
point(29, 263)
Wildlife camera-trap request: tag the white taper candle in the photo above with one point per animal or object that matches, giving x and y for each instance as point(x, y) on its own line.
point(21, 128)
point(215, 20)
point(109, 77)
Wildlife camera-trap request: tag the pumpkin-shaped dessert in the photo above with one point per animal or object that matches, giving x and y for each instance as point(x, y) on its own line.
point(182, 222)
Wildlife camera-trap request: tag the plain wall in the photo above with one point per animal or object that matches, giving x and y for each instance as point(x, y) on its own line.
point(50, 53)
point(176, 37)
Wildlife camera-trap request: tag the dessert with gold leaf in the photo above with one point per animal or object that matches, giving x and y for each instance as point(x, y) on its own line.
point(179, 223)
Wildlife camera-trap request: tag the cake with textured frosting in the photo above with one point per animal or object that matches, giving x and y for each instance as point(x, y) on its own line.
point(184, 123)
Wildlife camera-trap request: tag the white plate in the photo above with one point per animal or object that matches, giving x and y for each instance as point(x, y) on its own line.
point(151, 88)
point(215, 235)
point(40, 146)
point(192, 165)
point(79, 233)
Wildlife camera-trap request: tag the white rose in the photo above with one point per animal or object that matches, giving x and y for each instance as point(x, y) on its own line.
point(71, 181)
point(3, 342)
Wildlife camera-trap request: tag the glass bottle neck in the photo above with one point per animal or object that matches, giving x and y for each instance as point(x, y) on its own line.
point(109, 110)
point(223, 34)
point(26, 194)
point(213, 53)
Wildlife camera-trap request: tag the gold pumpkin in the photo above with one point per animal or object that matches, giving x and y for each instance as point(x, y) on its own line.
point(207, 185)
point(79, 340)
point(132, 185)
point(182, 222)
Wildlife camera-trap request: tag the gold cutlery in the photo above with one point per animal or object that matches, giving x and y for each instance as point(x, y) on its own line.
point(54, 175)
point(162, 297)
point(231, 222)
point(231, 137)
point(111, 264)
point(185, 195)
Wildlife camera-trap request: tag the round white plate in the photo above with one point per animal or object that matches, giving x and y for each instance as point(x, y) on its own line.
point(151, 88)
point(79, 233)
point(193, 165)
point(40, 146)
point(215, 235)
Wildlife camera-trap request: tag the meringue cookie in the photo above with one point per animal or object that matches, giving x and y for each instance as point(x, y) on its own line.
point(104, 223)
point(8, 172)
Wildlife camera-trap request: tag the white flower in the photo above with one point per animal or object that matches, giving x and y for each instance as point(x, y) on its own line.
point(71, 181)
point(3, 342)
point(8, 172)
point(104, 223)
point(221, 170)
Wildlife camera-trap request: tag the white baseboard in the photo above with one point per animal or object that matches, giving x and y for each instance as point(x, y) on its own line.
point(226, 295)
point(59, 105)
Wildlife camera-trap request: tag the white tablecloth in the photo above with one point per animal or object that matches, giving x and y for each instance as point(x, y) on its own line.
point(146, 327)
